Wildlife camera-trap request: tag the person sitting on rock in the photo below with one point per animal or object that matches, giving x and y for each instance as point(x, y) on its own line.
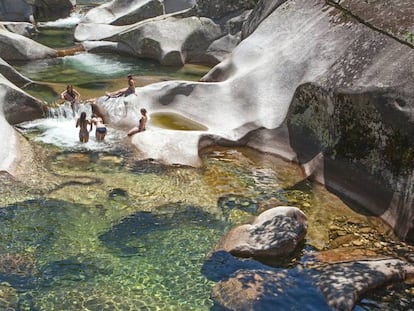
point(126, 91)
point(141, 124)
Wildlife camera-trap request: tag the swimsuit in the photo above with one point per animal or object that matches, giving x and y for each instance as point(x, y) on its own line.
point(101, 130)
point(129, 91)
point(139, 126)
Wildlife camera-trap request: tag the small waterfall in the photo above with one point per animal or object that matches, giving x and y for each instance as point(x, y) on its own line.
point(65, 111)
point(59, 129)
point(67, 22)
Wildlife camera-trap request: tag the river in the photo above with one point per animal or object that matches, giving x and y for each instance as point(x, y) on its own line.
point(98, 229)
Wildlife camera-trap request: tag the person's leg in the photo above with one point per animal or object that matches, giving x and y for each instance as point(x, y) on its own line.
point(133, 131)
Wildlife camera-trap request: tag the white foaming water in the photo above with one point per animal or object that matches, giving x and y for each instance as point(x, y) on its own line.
point(96, 64)
point(67, 22)
point(60, 130)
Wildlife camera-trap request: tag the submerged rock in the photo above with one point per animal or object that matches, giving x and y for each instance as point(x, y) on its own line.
point(130, 235)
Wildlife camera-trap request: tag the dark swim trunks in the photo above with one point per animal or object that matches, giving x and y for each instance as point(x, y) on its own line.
point(101, 130)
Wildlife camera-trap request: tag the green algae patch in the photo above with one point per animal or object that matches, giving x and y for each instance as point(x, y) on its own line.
point(174, 121)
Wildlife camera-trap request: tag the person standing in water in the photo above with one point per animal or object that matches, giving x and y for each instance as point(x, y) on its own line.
point(141, 124)
point(71, 95)
point(82, 123)
point(100, 131)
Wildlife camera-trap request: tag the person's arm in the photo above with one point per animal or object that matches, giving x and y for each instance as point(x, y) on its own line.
point(62, 95)
point(91, 125)
point(77, 94)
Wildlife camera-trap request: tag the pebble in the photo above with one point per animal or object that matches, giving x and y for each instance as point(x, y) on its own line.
point(358, 242)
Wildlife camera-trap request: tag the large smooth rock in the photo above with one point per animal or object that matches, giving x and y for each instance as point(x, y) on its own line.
point(17, 106)
point(17, 47)
point(276, 233)
point(396, 20)
point(184, 32)
point(328, 287)
point(286, 89)
point(124, 12)
point(21, 28)
point(9, 145)
point(169, 40)
point(11, 74)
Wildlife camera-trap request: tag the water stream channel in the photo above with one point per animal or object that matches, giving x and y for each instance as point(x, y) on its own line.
point(97, 229)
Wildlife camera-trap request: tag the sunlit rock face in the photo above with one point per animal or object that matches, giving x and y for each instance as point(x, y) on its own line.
point(16, 47)
point(124, 12)
point(274, 234)
point(21, 28)
point(15, 107)
point(314, 85)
